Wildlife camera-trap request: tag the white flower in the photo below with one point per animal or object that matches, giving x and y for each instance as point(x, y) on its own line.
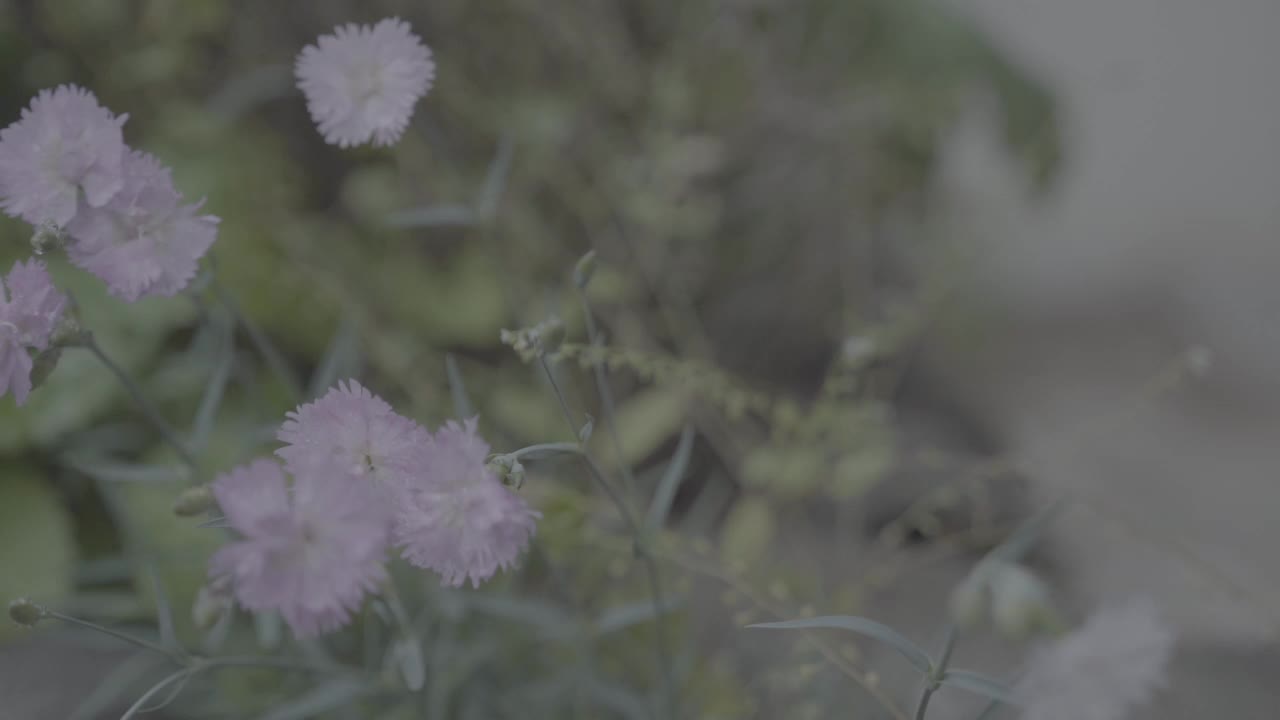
point(1113, 663)
point(363, 81)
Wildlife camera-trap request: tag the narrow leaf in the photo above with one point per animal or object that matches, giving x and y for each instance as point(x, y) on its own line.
point(979, 684)
point(341, 358)
point(625, 616)
point(216, 389)
point(164, 611)
point(108, 470)
point(408, 655)
point(218, 522)
point(671, 479)
point(863, 626)
point(168, 680)
point(433, 216)
point(462, 406)
point(495, 180)
point(333, 694)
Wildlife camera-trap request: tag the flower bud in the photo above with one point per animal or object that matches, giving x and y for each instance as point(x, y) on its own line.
point(43, 365)
point(969, 600)
point(1019, 600)
point(24, 612)
point(193, 501)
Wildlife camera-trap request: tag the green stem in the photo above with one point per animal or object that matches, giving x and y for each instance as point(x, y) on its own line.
point(153, 416)
point(641, 546)
point(131, 639)
point(606, 393)
point(260, 341)
point(934, 680)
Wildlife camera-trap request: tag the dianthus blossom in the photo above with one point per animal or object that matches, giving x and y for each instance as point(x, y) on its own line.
point(459, 519)
point(64, 143)
point(30, 307)
point(1101, 671)
point(352, 431)
point(144, 241)
point(362, 82)
point(310, 550)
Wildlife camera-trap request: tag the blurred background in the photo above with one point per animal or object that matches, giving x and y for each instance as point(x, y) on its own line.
point(898, 272)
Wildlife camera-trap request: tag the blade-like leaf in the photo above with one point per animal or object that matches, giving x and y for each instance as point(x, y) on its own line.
point(164, 611)
point(218, 522)
point(408, 656)
point(979, 684)
point(266, 626)
point(341, 358)
point(141, 702)
point(433, 216)
point(111, 471)
point(625, 616)
point(671, 479)
point(217, 387)
point(333, 694)
point(863, 626)
point(462, 406)
point(495, 180)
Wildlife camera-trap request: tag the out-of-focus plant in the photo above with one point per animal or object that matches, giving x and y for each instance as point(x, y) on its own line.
point(736, 170)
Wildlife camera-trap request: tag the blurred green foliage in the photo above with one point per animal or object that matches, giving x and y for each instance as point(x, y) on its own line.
point(735, 164)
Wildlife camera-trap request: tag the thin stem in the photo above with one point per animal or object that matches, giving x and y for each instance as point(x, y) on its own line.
point(565, 447)
point(641, 546)
point(934, 680)
point(153, 416)
point(606, 393)
point(260, 341)
point(131, 639)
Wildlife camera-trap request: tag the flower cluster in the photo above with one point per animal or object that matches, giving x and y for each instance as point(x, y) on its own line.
point(363, 81)
point(30, 308)
point(64, 164)
point(363, 478)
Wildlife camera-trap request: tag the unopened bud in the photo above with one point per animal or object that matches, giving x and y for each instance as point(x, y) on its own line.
point(583, 271)
point(24, 612)
point(508, 469)
point(193, 501)
point(969, 600)
point(43, 365)
point(534, 342)
point(48, 236)
point(1019, 601)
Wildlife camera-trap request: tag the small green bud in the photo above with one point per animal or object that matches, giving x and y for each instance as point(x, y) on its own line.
point(193, 501)
point(583, 271)
point(26, 613)
point(508, 469)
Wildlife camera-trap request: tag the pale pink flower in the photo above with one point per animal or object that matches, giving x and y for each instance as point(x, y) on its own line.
point(1101, 671)
point(30, 307)
point(311, 550)
point(63, 144)
point(352, 431)
point(144, 241)
point(362, 82)
point(458, 518)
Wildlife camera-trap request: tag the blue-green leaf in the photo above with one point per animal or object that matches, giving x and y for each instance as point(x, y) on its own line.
point(863, 626)
point(462, 407)
point(341, 358)
point(671, 479)
point(433, 216)
point(333, 694)
point(979, 684)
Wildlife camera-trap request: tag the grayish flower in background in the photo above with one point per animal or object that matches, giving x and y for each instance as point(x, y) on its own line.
point(1112, 664)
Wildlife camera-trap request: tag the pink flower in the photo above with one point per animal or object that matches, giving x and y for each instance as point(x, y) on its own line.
point(311, 551)
point(352, 431)
point(30, 307)
point(1112, 664)
point(362, 82)
point(144, 241)
point(459, 519)
point(64, 143)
